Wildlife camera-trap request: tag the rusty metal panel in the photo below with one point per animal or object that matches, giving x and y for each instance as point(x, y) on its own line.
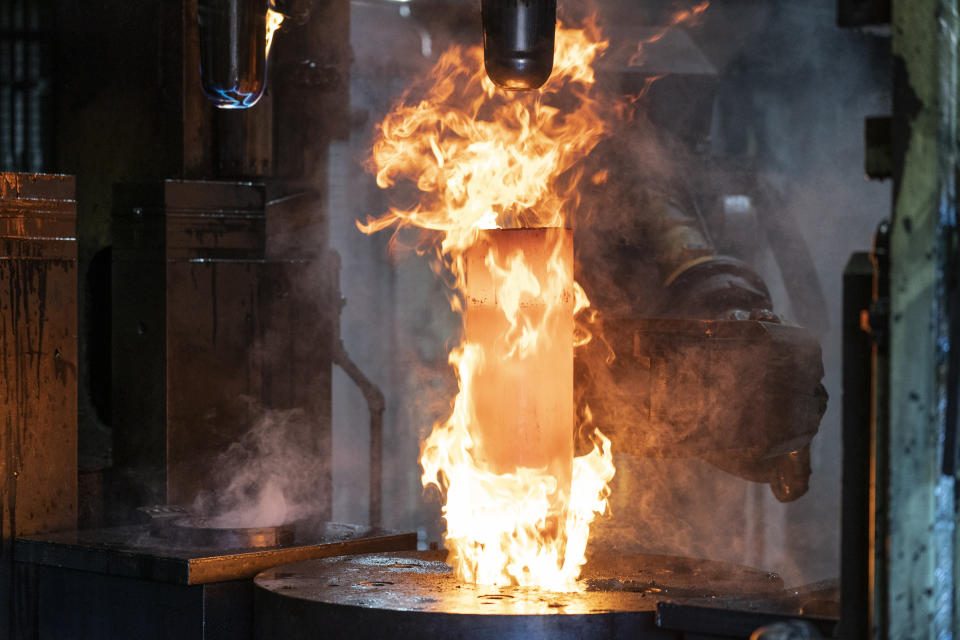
point(38, 362)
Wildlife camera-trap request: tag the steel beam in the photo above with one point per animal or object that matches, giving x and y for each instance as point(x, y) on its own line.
point(919, 549)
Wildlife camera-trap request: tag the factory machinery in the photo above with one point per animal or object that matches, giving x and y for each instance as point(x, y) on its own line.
point(170, 302)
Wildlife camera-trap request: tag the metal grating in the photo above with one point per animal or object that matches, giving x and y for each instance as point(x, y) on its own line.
point(25, 85)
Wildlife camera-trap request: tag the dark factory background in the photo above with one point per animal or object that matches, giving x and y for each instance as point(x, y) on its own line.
point(110, 93)
point(233, 328)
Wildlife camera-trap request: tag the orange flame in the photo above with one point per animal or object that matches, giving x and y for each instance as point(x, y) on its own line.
point(274, 20)
point(685, 16)
point(518, 505)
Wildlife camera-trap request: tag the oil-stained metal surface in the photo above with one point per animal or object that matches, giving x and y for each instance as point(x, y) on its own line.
point(137, 552)
point(38, 363)
point(207, 327)
point(415, 594)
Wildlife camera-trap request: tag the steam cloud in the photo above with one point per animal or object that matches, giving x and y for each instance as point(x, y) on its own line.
point(266, 478)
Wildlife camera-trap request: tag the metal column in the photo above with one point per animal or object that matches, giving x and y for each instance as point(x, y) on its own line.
point(917, 598)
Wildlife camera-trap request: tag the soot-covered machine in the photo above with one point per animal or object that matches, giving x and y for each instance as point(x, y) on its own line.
point(210, 316)
point(223, 323)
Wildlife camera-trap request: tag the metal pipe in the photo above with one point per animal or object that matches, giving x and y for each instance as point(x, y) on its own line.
point(376, 405)
point(233, 61)
point(518, 37)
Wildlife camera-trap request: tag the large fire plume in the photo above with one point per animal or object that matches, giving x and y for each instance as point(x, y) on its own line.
point(497, 178)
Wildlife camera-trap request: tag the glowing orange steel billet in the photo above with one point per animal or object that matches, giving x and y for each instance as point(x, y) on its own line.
point(523, 392)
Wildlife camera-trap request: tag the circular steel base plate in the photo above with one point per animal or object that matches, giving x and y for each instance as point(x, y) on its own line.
point(415, 595)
